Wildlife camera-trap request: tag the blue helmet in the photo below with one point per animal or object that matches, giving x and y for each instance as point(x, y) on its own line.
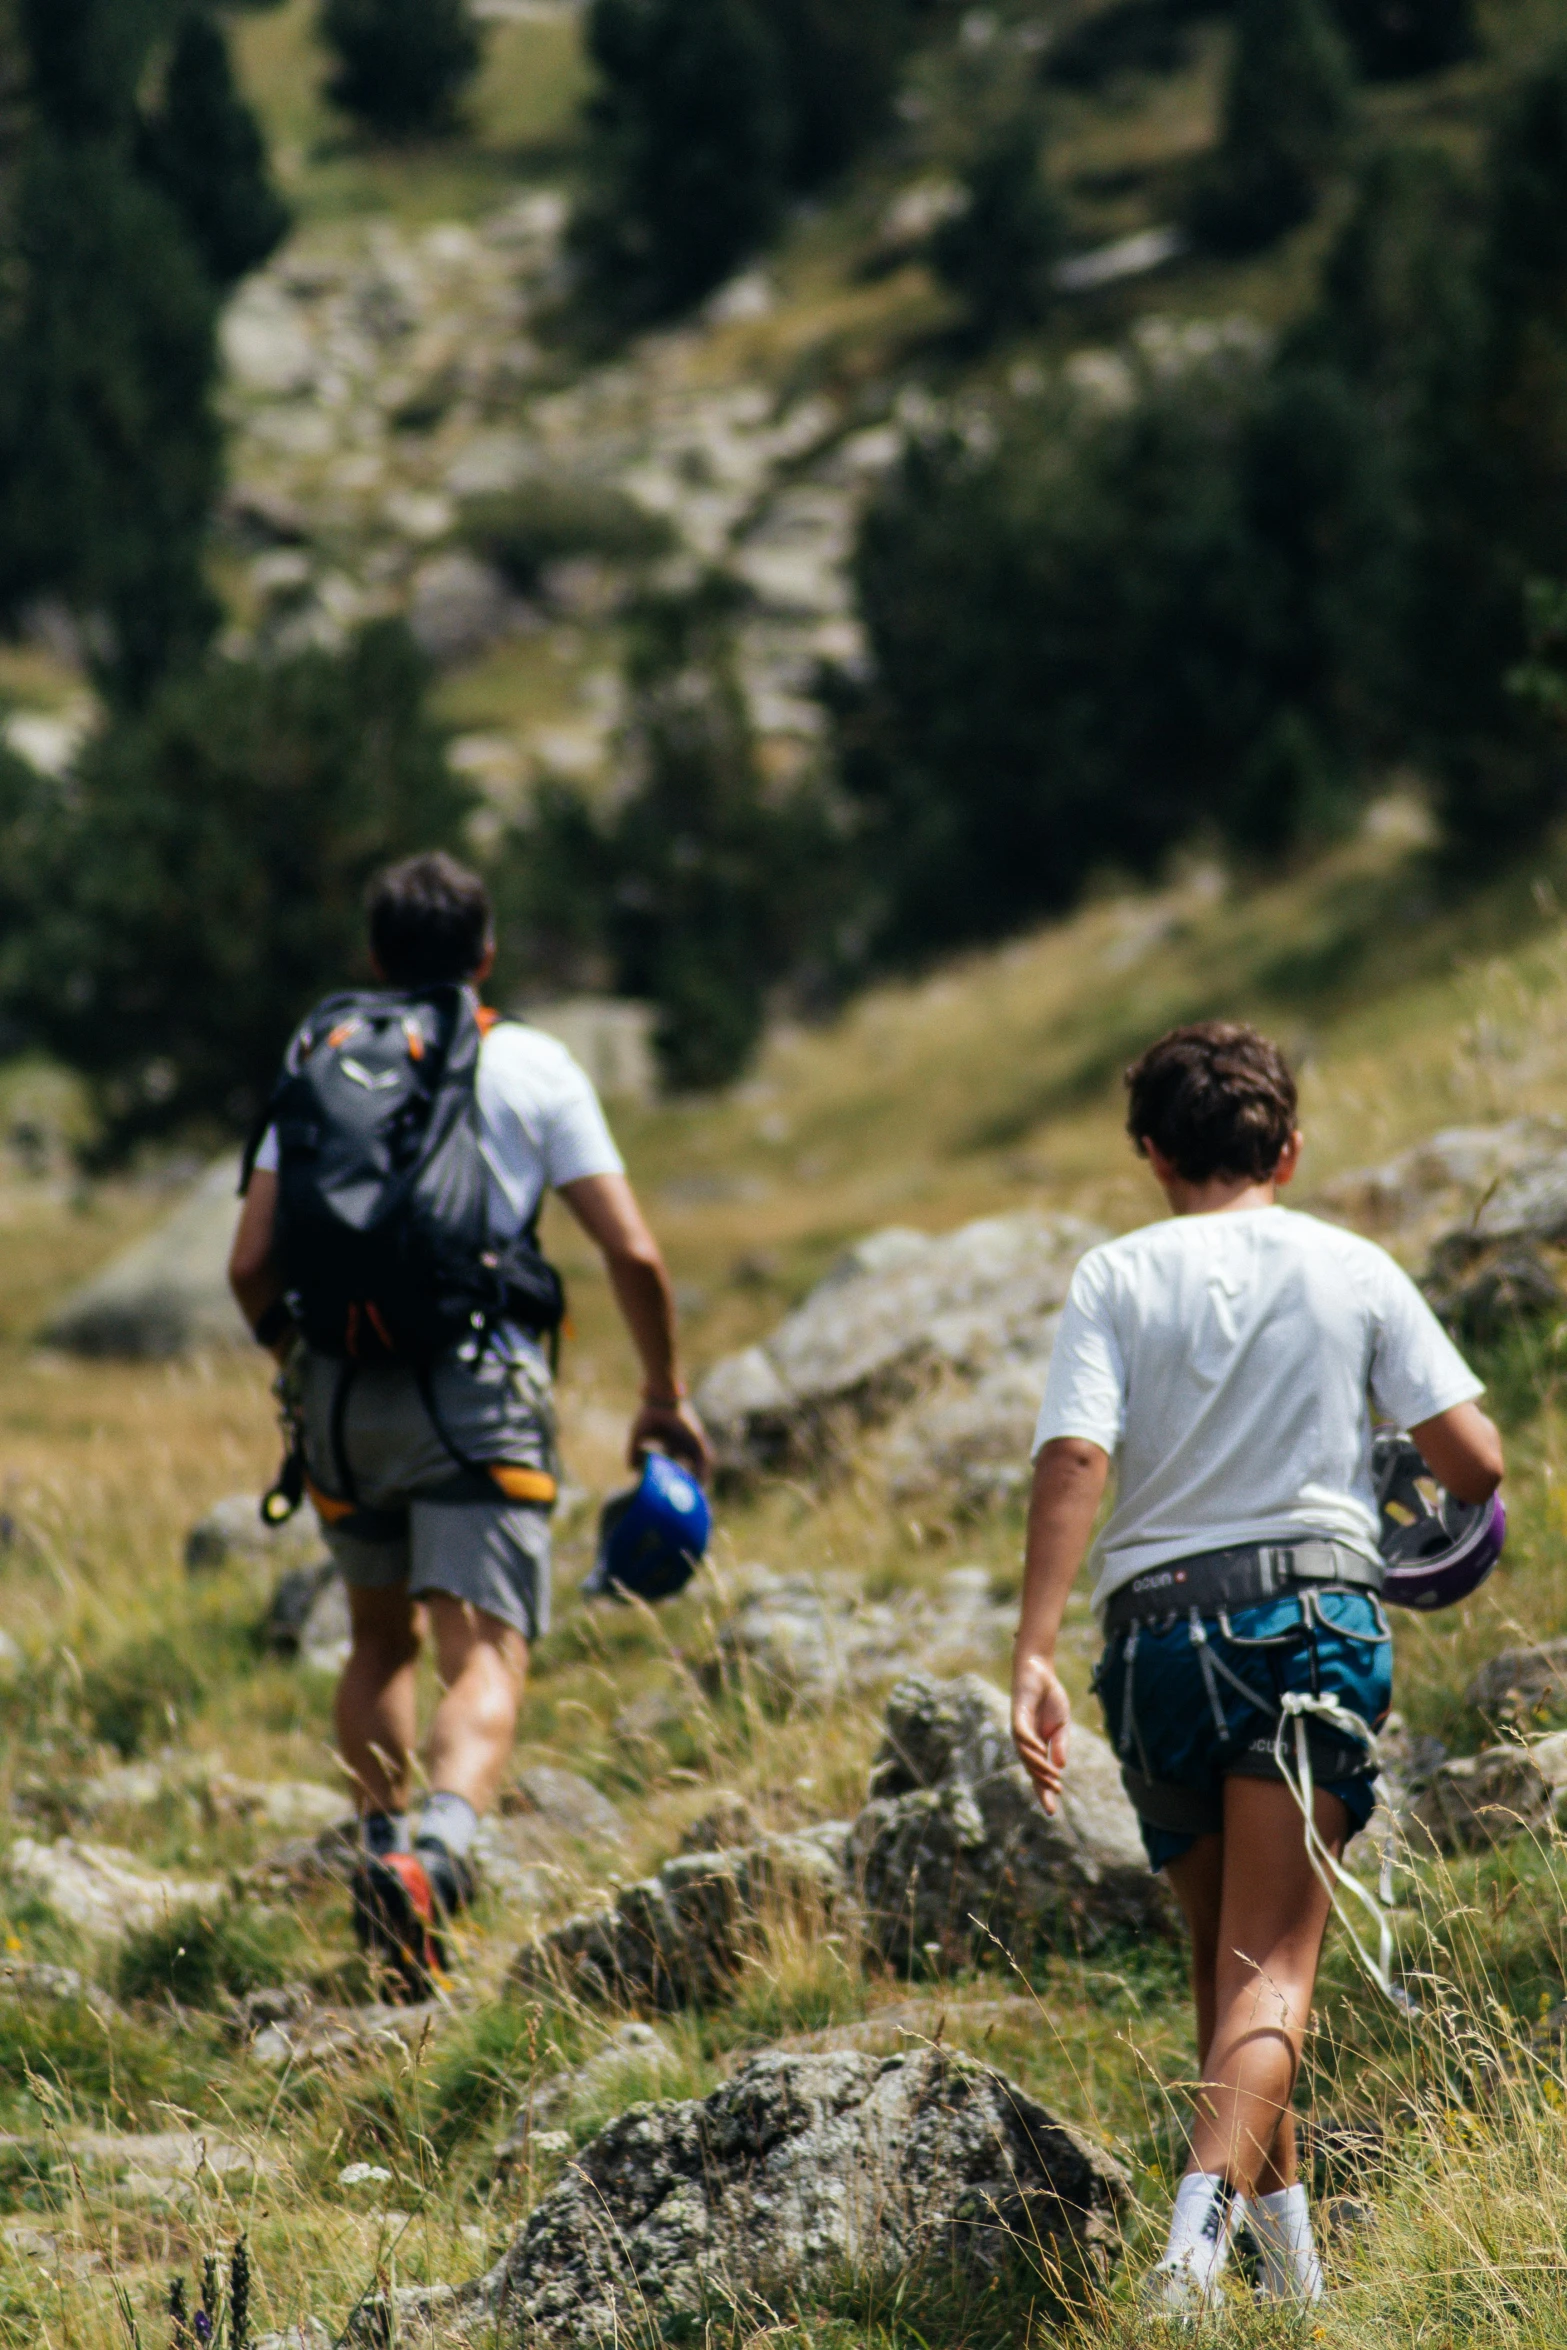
point(651, 1537)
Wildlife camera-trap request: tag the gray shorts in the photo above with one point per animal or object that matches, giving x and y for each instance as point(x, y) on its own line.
point(398, 1508)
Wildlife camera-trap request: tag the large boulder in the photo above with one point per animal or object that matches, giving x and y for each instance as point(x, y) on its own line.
point(890, 1318)
point(1521, 1681)
point(954, 1854)
point(1481, 1799)
point(168, 1294)
point(234, 1533)
point(1459, 1165)
point(808, 1639)
point(683, 1936)
point(104, 1892)
point(1496, 1267)
point(976, 1440)
point(799, 2172)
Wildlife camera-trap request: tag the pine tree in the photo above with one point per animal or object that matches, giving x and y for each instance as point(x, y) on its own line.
point(204, 881)
point(689, 140)
point(204, 151)
point(839, 67)
point(999, 251)
point(1394, 39)
point(402, 65)
point(111, 452)
point(1287, 106)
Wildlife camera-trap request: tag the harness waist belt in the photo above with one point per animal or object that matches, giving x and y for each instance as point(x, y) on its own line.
point(1215, 1580)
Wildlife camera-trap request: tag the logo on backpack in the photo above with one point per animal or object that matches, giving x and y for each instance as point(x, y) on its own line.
point(383, 1228)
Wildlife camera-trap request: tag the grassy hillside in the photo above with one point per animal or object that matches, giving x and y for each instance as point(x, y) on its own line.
point(992, 1085)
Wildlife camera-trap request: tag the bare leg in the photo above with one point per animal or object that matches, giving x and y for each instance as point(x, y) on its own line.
point(376, 1696)
point(483, 1665)
point(1265, 1943)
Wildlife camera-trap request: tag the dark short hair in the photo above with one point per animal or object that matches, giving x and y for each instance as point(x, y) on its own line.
point(429, 920)
point(1213, 1099)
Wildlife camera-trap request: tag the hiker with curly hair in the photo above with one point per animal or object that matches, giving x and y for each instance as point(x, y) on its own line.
point(1222, 1363)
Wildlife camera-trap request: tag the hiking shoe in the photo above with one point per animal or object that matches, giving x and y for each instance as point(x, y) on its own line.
point(397, 1921)
point(1174, 2293)
point(450, 1877)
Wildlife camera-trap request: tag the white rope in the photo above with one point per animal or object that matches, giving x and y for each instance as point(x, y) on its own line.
point(1295, 1706)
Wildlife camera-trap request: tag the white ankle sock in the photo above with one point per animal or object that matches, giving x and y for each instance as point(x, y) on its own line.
point(1207, 2212)
point(447, 1819)
point(1281, 2225)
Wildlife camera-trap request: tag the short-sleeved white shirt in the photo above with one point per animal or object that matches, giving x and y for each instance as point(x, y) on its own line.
point(1226, 1362)
point(541, 1124)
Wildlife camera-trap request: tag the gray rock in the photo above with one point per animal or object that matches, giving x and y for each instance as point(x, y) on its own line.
point(954, 1853)
point(633, 2053)
point(682, 1937)
point(168, 1294)
point(306, 2333)
point(564, 1801)
point(1405, 1760)
point(729, 1821)
point(809, 1639)
point(801, 2168)
point(977, 1442)
point(292, 1806)
point(1481, 1799)
point(233, 1532)
point(1529, 1203)
point(1549, 1757)
point(869, 1339)
point(1484, 1291)
point(513, 1861)
point(107, 1893)
point(460, 607)
point(1460, 1160)
point(325, 1636)
point(295, 1602)
point(288, 2027)
point(29, 1979)
point(306, 1862)
point(1521, 1681)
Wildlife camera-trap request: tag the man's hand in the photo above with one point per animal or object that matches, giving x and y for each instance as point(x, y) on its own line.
point(1041, 1724)
point(606, 1208)
point(673, 1428)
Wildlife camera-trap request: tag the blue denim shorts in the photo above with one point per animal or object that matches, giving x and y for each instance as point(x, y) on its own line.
point(1181, 1726)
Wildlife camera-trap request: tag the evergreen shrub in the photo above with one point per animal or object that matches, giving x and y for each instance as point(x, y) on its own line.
point(402, 65)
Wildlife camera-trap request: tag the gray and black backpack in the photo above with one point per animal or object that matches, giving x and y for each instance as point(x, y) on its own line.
point(383, 1230)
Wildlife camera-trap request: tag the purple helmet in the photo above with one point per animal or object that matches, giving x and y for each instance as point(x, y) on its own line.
point(1437, 1549)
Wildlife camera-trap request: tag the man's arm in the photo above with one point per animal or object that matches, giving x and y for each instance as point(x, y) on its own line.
point(606, 1208)
point(1069, 1483)
point(1463, 1451)
point(253, 1273)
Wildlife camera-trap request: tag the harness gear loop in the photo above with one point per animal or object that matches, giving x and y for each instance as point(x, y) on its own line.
point(1199, 1639)
point(1131, 1729)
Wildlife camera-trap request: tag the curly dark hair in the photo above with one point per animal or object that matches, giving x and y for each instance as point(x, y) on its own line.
point(429, 920)
point(1213, 1099)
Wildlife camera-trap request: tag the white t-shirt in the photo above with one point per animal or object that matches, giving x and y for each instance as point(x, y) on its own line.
point(1225, 1362)
point(540, 1122)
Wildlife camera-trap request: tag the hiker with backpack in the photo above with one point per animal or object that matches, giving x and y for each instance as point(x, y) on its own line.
point(387, 1254)
point(1222, 1361)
